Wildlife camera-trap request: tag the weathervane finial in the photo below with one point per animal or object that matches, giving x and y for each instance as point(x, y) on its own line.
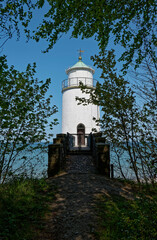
point(80, 51)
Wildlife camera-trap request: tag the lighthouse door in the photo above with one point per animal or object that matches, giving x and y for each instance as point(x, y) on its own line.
point(80, 134)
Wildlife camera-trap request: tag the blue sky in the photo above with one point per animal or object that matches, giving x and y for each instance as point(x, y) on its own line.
point(52, 64)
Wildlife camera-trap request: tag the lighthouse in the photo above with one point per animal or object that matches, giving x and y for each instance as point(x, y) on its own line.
point(77, 120)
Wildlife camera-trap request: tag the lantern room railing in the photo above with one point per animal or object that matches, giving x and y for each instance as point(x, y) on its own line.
point(75, 82)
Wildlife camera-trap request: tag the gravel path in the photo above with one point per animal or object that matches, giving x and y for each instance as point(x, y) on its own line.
point(73, 214)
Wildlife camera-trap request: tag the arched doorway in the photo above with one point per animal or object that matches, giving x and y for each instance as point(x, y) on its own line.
point(80, 134)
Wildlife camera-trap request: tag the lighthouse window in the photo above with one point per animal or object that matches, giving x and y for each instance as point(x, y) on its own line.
point(81, 126)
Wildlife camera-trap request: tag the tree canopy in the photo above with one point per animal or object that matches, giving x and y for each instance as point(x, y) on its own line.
point(13, 15)
point(132, 23)
point(24, 114)
point(129, 128)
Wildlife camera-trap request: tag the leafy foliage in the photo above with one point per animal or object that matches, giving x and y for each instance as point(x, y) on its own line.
point(127, 219)
point(132, 23)
point(24, 113)
point(123, 123)
point(13, 14)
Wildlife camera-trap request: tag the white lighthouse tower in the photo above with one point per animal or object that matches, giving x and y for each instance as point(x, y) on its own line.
point(78, 119)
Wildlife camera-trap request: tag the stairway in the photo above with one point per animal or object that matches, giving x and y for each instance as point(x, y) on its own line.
point(83, 150)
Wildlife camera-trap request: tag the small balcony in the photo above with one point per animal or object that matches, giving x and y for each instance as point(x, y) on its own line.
point(75, 82)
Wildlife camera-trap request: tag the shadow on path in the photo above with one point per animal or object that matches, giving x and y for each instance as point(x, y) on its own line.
point(73, 213)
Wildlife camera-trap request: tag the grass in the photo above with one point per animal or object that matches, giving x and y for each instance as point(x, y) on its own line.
point(121, 219)
point(23, 203)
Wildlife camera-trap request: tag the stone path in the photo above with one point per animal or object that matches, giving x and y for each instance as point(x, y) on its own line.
point(73, 213)
point(80, 164)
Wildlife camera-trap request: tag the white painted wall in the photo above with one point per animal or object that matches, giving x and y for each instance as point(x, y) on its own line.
point(80, 73)
point(72, 113)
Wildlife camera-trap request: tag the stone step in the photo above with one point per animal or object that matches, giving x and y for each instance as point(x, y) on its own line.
point(80, 152)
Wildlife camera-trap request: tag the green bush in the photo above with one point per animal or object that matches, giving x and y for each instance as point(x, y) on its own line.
point(22, 205)
point(122, 219)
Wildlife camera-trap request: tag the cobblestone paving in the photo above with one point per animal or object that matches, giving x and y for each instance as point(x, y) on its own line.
point(80, 164)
